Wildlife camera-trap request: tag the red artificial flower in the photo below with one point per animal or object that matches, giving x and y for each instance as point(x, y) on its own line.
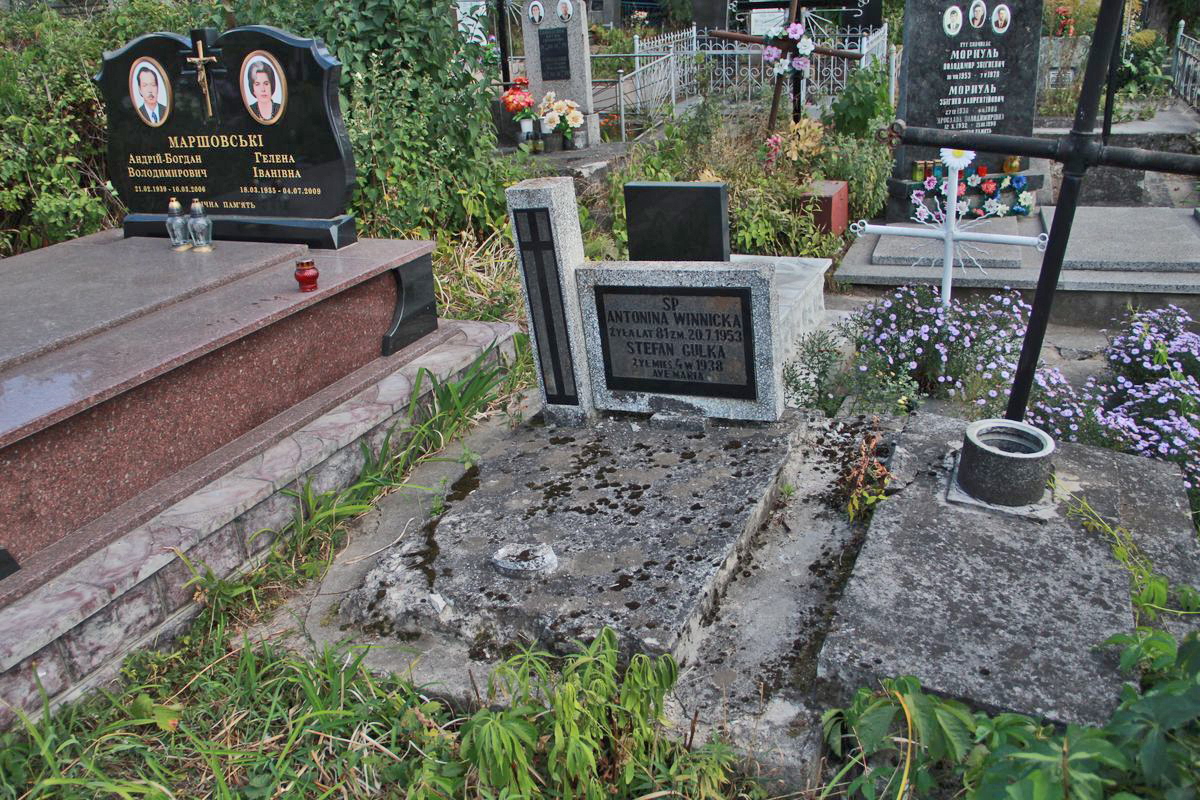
point(989, 187)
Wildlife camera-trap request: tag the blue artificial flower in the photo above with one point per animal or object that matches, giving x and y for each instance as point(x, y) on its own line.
point(1018, 182)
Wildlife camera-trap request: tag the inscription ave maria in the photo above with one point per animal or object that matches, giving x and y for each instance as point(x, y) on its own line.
point(674, 340)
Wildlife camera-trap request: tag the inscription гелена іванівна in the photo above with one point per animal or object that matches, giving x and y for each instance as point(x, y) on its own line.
point(248, 122)
point(677, 340)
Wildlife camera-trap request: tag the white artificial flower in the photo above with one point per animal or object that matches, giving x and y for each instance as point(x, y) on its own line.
point(781, 67)
point(963, 208)
point(551, 119)
point(991, 205)
point(1025, 199)
point(957, 159)
point(574, 118)
point(974, 180)
point(805, 46)
point(560, 107)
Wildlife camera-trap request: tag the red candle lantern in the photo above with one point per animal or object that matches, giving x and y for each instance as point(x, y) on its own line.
point(306, 275)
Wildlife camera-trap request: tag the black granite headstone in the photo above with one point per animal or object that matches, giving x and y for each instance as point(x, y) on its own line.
point(248, 122)
point(677, 221)
point(969, 65)
point(555, 54)
point(677, 340)
point(8, 564)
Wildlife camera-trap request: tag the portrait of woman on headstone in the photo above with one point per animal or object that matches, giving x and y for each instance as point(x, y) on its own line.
point(263, 87)
point(566, 10)
point(952, 20)
point(979, 15)
point(536, 12)
point(1001, 18)
point(149, 91)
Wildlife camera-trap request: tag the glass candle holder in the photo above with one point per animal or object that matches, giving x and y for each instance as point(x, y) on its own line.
point(928, 168)
point(200, 227)
point(1012, 164)
point(938, 170)
point(918, 171)
point(177, 229)
point(981, 170)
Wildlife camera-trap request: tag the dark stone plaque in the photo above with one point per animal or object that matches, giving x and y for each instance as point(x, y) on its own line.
point(677, 221)
point(248, 122)
point(969, 66)
point(547, 320)
point(677, 340)
point(8, 564)
point(555, 54)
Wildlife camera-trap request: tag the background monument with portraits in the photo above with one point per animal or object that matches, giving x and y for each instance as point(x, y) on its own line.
point(247, 121)
point(969, 65)
point(557, 58)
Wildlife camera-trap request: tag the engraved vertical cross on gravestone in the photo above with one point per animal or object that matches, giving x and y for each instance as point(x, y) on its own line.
point(545, 225)
point(970, 65)
point(558, 58)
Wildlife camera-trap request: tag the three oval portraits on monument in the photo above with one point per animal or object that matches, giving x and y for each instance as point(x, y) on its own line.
point(263, 89)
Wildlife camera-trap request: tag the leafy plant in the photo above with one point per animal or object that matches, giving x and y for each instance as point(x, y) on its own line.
point(863, 105)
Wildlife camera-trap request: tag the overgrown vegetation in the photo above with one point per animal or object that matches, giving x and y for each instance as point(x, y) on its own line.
point(898, 739)
point(770, 212)
point(226, 718)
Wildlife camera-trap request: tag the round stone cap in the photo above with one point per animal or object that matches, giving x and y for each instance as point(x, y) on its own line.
point(525, 560)
point(1005, 462)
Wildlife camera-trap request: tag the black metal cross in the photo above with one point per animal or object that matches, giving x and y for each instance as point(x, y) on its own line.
point(1077, 151)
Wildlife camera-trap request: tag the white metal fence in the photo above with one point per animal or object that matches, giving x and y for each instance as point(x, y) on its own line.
point(667, 69)
point(1185, 68)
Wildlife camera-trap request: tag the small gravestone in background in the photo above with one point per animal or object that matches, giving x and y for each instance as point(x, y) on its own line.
point(248, 122)
point(969, 65)
point(677, 221)
point(558, 58)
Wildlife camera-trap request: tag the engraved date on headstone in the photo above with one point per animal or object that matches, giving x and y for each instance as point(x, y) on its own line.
point(673, 340)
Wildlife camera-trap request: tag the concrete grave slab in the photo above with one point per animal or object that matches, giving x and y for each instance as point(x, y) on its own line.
point(647, 527)
point(1149, 239)
point(908, 251)
point(1000, 610)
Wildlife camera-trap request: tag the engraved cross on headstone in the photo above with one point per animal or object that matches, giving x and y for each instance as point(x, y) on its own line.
point(536, 245)
point(1077, 151)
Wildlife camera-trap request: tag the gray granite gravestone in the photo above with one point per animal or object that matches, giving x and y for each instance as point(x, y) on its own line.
point(670, 221)
point(558, 58)
point(704, 338)
point(546, 229)
point(970, 65)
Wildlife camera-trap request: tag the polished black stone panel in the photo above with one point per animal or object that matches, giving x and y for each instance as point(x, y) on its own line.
point(555, 54)
point(677, 221)
point(547, 322)
point(971, 65)
point(249, 122)
point(8, 564)
point(677, 340)
point(416, 305)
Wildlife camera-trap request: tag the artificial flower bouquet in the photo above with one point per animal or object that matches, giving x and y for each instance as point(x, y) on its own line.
point(782, 62)
point(518, 101)
point(560, 116)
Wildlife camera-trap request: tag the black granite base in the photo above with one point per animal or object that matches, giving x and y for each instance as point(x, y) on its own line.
point(320, 234)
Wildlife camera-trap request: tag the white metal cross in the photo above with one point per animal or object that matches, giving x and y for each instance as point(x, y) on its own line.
point(948, 229)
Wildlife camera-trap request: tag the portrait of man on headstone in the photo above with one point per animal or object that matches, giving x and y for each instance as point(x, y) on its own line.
point(978, 14)
point(952, 20)
point(149, 91)
point(536, 12)
point(1000, 18)
point(566, 9)
point(264, 89)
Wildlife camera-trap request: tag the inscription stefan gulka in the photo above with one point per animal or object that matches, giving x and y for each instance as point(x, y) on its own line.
point(698, 338)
